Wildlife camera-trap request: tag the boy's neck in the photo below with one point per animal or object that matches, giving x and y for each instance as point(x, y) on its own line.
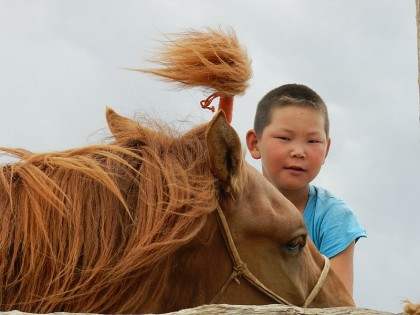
point(299, 197)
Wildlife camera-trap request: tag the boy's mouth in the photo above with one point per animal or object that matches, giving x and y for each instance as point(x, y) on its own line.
point(295, 168)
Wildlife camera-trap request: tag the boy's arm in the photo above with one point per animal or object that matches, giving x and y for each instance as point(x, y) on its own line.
point(342, 264)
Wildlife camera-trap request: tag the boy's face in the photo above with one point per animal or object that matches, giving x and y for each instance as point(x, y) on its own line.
point(292, 147)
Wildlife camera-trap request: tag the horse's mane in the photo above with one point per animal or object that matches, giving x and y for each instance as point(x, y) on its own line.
point(102, 217)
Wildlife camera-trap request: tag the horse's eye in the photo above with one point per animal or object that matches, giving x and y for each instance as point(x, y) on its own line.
point(296, 243)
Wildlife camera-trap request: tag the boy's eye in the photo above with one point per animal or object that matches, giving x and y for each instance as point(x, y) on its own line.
point(314, 141)
point(283, 138)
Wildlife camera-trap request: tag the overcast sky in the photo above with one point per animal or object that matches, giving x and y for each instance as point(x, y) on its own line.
point(61, 64)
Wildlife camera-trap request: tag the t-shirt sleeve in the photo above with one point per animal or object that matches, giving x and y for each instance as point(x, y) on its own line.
point(339, 228)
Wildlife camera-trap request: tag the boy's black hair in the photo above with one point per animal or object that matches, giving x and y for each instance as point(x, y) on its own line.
point(286, 95)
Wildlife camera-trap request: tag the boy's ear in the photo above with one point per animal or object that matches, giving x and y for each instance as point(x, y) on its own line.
point(252, 144)
point(327, 150)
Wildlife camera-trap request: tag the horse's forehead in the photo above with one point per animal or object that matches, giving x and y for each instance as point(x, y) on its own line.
point(261, 190)
point(263, 209)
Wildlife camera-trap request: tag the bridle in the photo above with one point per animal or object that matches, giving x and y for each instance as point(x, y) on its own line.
point(241, 270)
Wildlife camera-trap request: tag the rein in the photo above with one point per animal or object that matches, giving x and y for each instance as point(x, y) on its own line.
point(240, 269)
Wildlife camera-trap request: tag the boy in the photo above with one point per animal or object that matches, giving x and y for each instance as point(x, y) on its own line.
point(291, 137)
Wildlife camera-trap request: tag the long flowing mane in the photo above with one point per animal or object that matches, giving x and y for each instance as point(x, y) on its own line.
point(119, 210)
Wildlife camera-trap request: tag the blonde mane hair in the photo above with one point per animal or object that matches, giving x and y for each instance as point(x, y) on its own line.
point(115, 214)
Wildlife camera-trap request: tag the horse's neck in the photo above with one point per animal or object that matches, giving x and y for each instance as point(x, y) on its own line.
point(200, 270)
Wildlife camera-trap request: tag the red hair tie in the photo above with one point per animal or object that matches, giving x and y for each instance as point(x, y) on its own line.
point(205, 104)
point(225, 104)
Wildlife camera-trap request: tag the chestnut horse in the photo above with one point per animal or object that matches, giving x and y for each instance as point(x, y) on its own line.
point(154, 221)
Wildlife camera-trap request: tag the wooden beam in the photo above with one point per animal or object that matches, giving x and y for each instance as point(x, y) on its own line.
point(274, 309)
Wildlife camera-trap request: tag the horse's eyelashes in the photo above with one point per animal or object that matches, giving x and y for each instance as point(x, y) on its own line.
point(295, 244)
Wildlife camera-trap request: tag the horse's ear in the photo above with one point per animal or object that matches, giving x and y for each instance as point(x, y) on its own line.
point(224, 147)
point(122, 127)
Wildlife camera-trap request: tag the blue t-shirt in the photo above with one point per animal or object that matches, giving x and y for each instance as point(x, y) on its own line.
point(331, 223)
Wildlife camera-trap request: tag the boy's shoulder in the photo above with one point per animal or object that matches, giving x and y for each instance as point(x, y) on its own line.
point(324, 198)
point(323, 203)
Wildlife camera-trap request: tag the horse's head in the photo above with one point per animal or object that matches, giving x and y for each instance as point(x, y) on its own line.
point(258, 252)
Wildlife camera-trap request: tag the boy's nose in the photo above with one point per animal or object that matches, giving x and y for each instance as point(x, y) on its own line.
point(298, 153)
